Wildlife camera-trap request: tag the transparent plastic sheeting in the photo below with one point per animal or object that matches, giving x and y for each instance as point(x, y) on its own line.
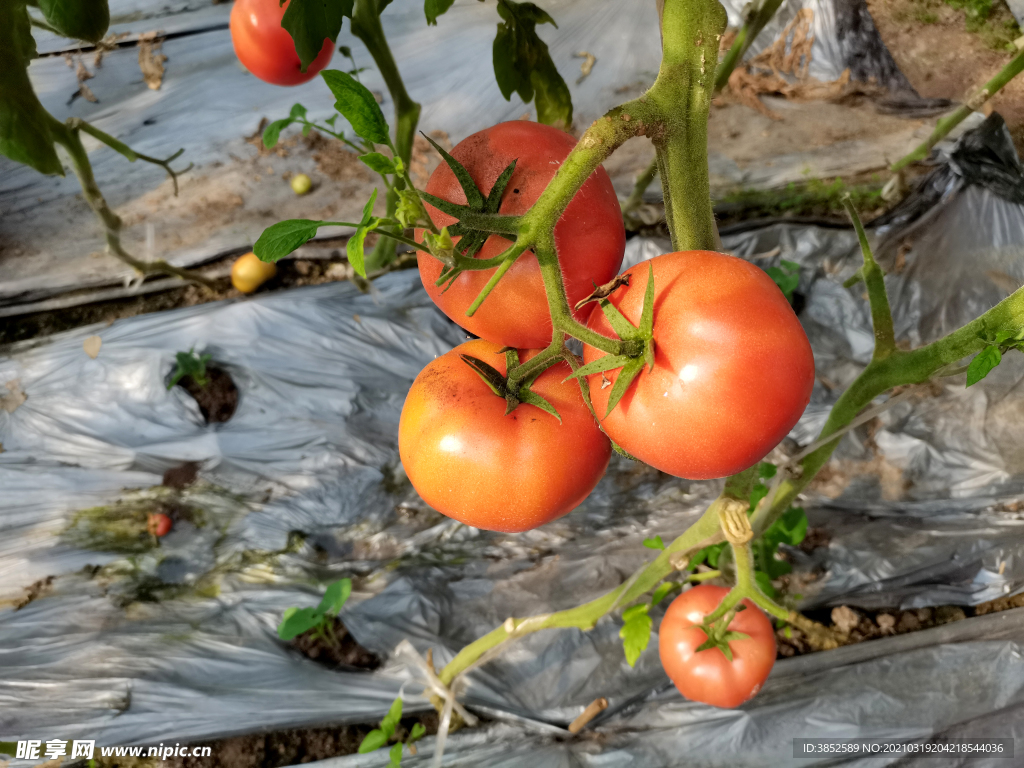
point(178, 643)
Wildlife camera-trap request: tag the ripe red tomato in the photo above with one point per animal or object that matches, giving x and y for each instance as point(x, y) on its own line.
point(158, 524)
point(266, 49)
point(471, 462)
point(589, 236)
point(733, 369)
point(707, 675)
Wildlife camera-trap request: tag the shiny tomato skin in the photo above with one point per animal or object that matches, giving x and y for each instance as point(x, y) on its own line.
point(471, 462)
point(266, 49)
point(733, 368)
point(589, 236)
point(708, 676)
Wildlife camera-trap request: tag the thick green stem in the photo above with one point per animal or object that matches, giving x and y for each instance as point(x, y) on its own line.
point(948, 123)
point(691, 30)
point(367, 27)
point(69, 139)
point(702, 533)
point(536, 364)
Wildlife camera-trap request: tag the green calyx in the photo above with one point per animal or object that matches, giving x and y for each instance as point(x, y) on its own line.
point(638, 341)
point(719, 634)
point(503, 387)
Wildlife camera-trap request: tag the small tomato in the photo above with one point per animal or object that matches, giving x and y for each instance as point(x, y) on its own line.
point(708, 675)
point(301, 184)
point(248, 273)
point(158, 524)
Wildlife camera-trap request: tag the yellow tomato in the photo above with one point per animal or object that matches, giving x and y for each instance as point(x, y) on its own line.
point(248, 273)
point(301, 184)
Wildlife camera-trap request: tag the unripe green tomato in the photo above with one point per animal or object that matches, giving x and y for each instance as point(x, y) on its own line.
point(301, 184)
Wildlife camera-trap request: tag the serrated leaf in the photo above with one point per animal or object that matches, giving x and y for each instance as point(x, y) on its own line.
point(374, 740)
point(390, 722)
point(278, 240)
point(25, 135)
point(654, 543)
point(493, 201)
point(310, 22)
point(983, 363)
point(623, 381)
point(487, 373)
point(357, 105)
point(636, 634)
point(335, 597)
point(273, 132)
point(523, 65)
point(396, 755)
point(602, 364)
point(375, 161)
point(474, 198)
point(617, 320)
point(418, 732)
point(77, 19)
point(662, 591)
point(295, 621)
point(631, 613)
point(532, 398)
point(434, 8)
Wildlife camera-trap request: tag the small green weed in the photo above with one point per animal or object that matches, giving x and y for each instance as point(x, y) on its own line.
point(190, 364)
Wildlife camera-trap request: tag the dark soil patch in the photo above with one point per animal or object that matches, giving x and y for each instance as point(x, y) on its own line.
point(218, 399)
point(291, 747)
point(340, 651)
point(181, 477)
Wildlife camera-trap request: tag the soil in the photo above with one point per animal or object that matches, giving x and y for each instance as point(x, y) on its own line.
point(932, 45)
point(218, 399)
point(346, 653)
point(291, 747)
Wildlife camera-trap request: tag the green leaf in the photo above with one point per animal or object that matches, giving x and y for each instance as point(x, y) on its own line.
point(410, 211)
point(474, 198)
point(490, 375)
point(635, 611)
point(635, 633)
point(357, 105)
point(655, 543)
point(273, 132)
point(295, 621)
point(310, 22)
point(298, 112)
point(435, 8)
point(787, 278)
point(662, 591)
point(532, 398)
point(77, 19)
point(418, 732)
point(523, 65)
point(622, 382)
point(983, 363)
point(25, 134)
point(374, 740)
point(354, 246)
point(396, 754)
point(390, 722)
point(335, 597)
point(375, 161)
point(278, 240)
point(764, 582)
point(618, 321)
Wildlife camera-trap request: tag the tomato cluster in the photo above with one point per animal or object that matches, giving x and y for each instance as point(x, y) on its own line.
point(730, 374)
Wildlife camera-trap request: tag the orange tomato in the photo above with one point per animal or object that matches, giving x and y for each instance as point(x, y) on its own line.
point(248, 273)
point(733, 370)
point(471, 462)
point(266, 49)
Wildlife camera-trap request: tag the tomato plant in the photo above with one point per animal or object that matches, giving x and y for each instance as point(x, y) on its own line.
point(733, 370)
point(719, 665)
point(266, 49)
point(472, 461)
point(589, 235)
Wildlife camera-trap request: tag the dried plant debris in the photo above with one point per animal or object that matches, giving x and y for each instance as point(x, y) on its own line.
point(151, 61)
point(782, 70)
